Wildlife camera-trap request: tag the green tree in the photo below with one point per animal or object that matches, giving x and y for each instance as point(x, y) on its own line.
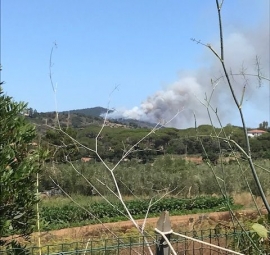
point(19, 164)
point(210, 156)
point(60, 145)
point(263, 125)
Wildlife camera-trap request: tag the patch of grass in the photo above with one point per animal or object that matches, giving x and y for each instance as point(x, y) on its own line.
point(247, 200)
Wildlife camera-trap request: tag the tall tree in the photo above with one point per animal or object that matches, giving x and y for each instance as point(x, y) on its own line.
point(19, 164)
point(263, 125)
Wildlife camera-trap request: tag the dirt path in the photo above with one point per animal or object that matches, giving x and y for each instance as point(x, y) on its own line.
point(178, 223)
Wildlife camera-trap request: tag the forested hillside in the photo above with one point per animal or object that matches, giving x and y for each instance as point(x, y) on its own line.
point(117, 137)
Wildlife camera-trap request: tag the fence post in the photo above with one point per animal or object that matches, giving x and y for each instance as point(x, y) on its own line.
point(164, 226)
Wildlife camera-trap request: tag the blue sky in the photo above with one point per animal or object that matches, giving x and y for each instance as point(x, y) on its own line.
point(143, 47)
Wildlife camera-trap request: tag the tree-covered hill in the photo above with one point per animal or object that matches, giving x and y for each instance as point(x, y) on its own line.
point(118, 136)
point(79, 118)
point(92, 112)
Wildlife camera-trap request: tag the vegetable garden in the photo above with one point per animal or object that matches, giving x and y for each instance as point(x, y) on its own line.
point(55, 216)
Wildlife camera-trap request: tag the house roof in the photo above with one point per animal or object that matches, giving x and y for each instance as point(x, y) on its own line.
point(256, 131)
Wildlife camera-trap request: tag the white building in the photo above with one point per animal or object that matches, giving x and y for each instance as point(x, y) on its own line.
point(255, 132)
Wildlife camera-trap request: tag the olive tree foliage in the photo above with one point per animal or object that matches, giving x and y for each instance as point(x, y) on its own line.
point(20, 161)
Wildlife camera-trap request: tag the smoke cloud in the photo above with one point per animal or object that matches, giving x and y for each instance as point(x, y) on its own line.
point(190, 93)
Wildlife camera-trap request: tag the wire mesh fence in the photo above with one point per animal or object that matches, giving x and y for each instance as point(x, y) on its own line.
point(134, 245)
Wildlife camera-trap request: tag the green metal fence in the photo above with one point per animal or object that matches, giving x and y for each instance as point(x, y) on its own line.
point(233, 239)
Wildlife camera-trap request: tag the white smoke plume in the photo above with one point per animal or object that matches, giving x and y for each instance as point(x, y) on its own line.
point(185, 94)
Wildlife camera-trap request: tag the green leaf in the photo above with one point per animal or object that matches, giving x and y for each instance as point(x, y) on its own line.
point(260, 230)
point(18, 216)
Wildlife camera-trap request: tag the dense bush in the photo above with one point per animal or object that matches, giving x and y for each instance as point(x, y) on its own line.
point(19, 164)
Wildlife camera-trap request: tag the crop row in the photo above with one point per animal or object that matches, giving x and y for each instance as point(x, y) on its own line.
point(72, 213)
